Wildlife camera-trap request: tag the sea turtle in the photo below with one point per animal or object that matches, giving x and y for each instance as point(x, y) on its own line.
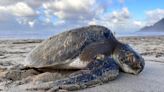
point(92, 50)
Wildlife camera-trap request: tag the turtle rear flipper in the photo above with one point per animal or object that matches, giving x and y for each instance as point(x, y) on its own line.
point(100, 72)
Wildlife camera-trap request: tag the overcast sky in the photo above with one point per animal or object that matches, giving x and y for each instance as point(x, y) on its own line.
point(59, 15)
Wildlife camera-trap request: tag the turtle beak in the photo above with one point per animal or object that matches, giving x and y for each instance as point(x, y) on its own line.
point(138, 66)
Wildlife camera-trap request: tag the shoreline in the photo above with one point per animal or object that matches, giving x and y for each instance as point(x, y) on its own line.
point(136, 36)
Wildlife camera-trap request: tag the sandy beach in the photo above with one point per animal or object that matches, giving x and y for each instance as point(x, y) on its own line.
point(13, 52)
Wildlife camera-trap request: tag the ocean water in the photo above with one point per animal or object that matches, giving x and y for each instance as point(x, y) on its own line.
point(46, 34)
point(25, 34)
point(140, 34)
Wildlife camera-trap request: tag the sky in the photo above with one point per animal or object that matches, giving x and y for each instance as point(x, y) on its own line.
point(60, 15)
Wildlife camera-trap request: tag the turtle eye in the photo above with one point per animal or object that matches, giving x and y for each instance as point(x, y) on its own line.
point(123, 60)
point(120, 59)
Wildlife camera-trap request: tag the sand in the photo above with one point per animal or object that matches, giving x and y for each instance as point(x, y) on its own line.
point(13, 52)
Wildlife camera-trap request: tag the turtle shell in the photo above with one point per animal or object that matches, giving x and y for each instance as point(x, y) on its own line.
point(62, 48)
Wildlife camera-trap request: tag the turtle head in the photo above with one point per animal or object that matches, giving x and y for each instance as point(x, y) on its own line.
point(128, 59)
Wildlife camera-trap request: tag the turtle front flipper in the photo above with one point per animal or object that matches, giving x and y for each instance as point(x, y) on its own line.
point(97, 72)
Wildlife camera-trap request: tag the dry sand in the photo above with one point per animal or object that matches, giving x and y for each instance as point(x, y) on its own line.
point(13, 52)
